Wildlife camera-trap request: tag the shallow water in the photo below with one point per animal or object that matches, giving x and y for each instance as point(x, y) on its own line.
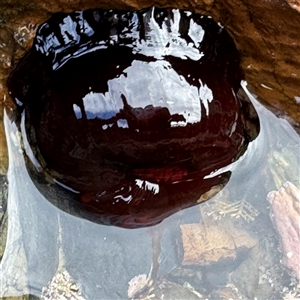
point(43, 240)
point(226, 247)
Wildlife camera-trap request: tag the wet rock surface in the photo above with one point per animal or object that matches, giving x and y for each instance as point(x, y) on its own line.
point(206, 245)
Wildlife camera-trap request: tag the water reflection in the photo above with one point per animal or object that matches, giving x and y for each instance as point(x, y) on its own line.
point(43, 240)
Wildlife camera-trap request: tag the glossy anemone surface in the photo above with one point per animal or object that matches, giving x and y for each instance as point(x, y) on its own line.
point(132, 110)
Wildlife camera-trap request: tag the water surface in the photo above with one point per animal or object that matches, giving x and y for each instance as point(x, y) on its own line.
point(103, 259)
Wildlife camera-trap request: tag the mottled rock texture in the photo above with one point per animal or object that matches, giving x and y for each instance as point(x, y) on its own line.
point(265, 32)
point(204, 245)
point(285, 214)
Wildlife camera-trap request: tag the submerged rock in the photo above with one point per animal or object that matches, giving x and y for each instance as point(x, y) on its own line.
point(285, 213)
point(132, 111)
point(140, 288)
point(208, 245)
point(62, 287)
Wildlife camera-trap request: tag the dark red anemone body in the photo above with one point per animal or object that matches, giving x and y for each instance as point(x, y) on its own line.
point(134, 109)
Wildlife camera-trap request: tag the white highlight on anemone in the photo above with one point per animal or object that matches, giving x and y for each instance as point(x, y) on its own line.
point(106, 126)
point(77, 111)
point(160, 40)
point(69, 26)
point(18, 101)
point(206, 95)
point(70, 36)
point(122, 123)
point(66, 187)
point(100, 105)
point(155, 81)
point(165, 40)
point(144, 184)
point(126, 199)
point(196, 33)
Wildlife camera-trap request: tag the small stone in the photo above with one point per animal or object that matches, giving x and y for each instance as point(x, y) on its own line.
point(62, 287)
point(136, 284)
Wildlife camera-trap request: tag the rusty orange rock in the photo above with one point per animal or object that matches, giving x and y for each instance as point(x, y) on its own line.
point(203, 245)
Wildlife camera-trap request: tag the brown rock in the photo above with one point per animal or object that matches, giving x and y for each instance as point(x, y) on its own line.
point(6, 48)
point(285, 213)
point(203, 245)
point(295, 4)
point(3, 145)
